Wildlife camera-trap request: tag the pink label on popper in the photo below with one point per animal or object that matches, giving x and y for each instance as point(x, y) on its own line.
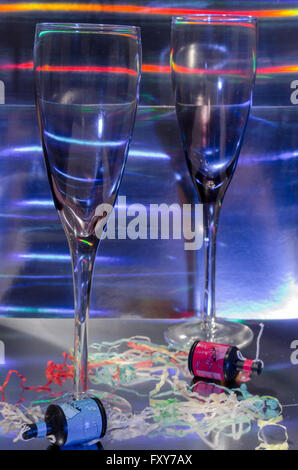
point(208, 360)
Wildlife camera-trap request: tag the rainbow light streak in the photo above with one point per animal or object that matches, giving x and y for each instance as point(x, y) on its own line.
point(40, 277)
point(60, 258)
point(98, 275)
point(89, 69)
point(155, 68)
point(88, 143)
point(145, 154)
point(28, 149)
point(276, 69)
point(30, 217)
point(44, 257)
point(96, 31)
point(23, 66)
point(137, 10)
point(284, 156)
point(132, 153)
point(164, 156)
point(188, 70)
point(32, 148)
point(219, 23)
point(84, 241)
point(45, 311)
point(77, 178)
point(36, 202)
point(254, 61)
point(49, 311)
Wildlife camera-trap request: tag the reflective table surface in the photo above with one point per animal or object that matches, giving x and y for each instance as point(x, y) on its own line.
point(30, 343)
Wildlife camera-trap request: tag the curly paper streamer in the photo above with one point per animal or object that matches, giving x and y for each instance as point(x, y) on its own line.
point(263, 438)
point(174, 408)
point(208, 417)
point(142, 361)
point(36, 388)
point(13, 417)
point(55, 373)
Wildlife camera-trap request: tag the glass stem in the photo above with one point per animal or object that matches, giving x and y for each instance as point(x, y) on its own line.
point(211, 215)
point(83, 254)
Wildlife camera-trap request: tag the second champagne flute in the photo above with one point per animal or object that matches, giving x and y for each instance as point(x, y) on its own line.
point(213, 63)
point(86, 86)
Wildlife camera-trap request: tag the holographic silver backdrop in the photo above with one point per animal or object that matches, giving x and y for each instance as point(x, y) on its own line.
point(257, 241)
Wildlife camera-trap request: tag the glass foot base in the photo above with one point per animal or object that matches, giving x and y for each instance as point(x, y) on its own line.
point(184, 334)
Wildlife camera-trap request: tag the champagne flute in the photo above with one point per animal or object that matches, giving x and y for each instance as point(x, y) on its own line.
point(213, 64)
point(86, 89)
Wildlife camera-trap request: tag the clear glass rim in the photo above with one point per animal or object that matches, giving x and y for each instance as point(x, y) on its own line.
point(89, 27)
point(202, 18)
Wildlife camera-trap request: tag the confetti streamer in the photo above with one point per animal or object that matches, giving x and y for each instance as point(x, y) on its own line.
point(13, 417)
point(175, 409)
point(231, 413)
point(265, 437)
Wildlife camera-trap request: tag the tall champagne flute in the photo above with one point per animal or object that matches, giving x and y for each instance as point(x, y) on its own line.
point(86, 88)
point(213, 63)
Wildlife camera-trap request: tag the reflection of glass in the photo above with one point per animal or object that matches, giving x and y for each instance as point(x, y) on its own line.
point(87, 79)
point(213, 71)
